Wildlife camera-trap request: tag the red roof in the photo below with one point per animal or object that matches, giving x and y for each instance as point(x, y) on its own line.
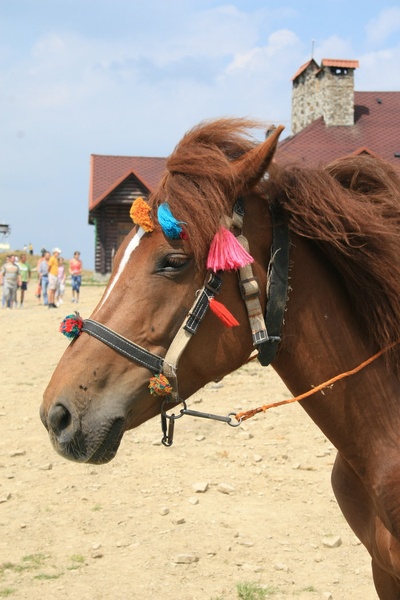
point(376, 130)
point(334, 62)
point(327, 62)
point(107, 172)
point(303, 68)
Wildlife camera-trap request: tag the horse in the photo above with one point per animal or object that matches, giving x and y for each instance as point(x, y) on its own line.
point(235, 253)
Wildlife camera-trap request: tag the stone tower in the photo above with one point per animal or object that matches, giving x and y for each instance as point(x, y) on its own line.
point(323, 91)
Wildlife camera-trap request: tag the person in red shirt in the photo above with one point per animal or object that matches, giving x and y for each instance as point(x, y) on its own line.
point(75, 270)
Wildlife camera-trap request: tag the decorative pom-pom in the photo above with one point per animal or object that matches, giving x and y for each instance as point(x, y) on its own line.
point(71, 326)
point(170, 226)
point(140, 215)
point(159, 385)
point(226, 253)
point(223, 313)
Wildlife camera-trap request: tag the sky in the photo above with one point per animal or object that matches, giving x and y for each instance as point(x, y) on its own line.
point(129, 77)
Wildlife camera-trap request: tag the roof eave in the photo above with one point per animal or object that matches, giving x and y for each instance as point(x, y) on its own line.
point(93, 205)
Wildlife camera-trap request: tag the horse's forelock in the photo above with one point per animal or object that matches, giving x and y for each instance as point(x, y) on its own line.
point(199, 182)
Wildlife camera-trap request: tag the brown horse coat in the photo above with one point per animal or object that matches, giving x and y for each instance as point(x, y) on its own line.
point(343, 306)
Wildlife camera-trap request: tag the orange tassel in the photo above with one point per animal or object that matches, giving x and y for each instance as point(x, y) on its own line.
point(140, 214)
point(223, 313)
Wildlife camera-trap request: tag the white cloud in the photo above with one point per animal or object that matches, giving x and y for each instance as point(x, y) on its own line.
point(379, 71)
point(382, 27)
point(334, 47)
point(280, 44)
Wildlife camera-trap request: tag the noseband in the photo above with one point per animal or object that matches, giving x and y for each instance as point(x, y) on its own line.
point(156, 364)
point(266, 329)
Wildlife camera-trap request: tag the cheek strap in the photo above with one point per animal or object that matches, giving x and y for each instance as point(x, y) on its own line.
point(188, 328)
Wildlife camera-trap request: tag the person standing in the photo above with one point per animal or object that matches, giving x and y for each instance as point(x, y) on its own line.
point(25, 271)
point(43, 271)
point(61, 281)
point(75, 270)
point(10, 278)
point(53, 277)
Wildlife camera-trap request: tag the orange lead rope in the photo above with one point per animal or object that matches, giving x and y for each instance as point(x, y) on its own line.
point(243, 416)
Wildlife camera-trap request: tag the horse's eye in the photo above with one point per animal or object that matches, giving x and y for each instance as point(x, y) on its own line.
point(173, 262)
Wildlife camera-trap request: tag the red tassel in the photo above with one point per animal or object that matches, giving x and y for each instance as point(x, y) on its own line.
point(223, 313)
point(226, 253)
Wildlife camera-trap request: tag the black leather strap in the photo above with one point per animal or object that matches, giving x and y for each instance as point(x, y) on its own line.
point(278, 273)
point(211, 287)
point(124, 346)
point(140, 355)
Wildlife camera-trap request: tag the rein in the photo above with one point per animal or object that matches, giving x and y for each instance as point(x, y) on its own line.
point(243, 416)
point(168, 431)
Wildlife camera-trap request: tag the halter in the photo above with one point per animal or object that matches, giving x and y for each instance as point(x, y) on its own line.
point(156, 364)
point(265, 330)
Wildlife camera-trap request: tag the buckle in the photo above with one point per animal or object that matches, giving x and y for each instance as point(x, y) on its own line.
point(249, 287)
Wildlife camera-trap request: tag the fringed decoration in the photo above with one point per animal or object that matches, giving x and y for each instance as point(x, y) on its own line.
point(140, 215)
point(170, 226)
point(71, 326)
point(159, 385)
point(223, 313)
point(226, 253)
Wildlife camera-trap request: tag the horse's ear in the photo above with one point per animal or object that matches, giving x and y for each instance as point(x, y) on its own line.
point(251, 166)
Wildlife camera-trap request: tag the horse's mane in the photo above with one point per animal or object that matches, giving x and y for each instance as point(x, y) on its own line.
point(350, 209)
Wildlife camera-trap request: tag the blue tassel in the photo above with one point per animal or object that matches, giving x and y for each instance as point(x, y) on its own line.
point(170, 226)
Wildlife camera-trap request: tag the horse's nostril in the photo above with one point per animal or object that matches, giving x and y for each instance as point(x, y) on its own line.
point(59, 419)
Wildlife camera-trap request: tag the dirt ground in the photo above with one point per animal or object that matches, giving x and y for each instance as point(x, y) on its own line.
point(223, 506)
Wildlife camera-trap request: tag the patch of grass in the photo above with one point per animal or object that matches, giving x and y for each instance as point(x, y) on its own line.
point(97, 507)
point(7, 566)
point(77, 561)
point(28, 563)
point(78, 558)
point(6, 592)
point(254, 591)
point(34, 561)
point(46, 577)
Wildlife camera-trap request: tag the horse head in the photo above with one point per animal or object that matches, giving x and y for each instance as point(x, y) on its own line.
point(98, 391)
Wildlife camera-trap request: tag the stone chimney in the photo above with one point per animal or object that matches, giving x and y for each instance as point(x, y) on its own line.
point(326, 91)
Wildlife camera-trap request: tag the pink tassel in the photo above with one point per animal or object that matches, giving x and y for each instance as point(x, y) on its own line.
point(223, 313)
point(226, 253)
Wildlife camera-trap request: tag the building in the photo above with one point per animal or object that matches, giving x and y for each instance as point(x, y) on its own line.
point(330, 119)
point(115, 181)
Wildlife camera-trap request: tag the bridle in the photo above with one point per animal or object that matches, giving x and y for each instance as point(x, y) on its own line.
point(265, 328)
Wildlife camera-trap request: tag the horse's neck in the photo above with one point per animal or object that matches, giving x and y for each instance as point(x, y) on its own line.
point(322, 338)
point(320, 331)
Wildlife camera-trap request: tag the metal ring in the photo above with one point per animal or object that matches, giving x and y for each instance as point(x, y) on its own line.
point(231, 423)
point(173, 416)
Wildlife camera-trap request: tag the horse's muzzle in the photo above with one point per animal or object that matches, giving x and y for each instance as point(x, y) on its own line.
point(98, 445)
